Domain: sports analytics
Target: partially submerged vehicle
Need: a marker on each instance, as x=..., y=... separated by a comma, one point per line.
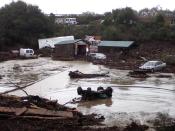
x=27, y=53
x=89, y=94
x=96, y=56
x=78, y=74
x=153, y=66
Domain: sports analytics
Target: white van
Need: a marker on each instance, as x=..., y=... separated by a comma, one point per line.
x=26, y=53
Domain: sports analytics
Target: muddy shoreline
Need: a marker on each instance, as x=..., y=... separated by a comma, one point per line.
x=77, y=122
x=149, y=50
x=23, y=121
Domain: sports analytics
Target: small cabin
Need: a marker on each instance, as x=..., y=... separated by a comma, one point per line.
x=68, y=50
x=112, y=47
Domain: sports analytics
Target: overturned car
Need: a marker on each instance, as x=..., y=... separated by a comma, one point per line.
x=89, y=94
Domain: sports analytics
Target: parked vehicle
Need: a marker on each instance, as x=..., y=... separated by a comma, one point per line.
x=26, y=53
x=97, y=56
x=153, y=66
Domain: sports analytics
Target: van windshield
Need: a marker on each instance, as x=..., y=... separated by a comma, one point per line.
x=29, y=51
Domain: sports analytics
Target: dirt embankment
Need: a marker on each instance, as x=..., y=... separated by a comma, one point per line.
x=155, y=50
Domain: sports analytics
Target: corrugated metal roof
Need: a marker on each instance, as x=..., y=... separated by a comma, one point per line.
x=67, y=42
x=121, y=44
x=50, y=42
x=81, y=42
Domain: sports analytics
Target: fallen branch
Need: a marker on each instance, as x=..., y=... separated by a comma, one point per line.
x=45, y=118
x=31, y=117
x=74, y=100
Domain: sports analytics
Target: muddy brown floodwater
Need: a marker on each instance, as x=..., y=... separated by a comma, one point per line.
x=133, y=98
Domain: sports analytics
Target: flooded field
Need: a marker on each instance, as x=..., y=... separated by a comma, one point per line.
x=133, y=99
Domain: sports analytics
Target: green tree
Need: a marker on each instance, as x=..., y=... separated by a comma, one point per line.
x=124, y=16
x=108, y=19
x=159, y=19
x=87, y=17
x=22, y=24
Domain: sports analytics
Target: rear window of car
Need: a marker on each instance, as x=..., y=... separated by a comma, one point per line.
x=29, y=51
x=150, y=63
x=158, y=63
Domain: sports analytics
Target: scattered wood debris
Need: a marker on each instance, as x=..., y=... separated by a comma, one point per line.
x=138, y=74
x=31, y=108
x=164, y=76
x=78, y=74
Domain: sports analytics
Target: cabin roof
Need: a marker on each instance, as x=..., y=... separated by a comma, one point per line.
x=120, y=44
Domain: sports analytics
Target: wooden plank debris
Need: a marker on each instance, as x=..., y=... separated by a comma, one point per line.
x=20, y=111
x=36, y=112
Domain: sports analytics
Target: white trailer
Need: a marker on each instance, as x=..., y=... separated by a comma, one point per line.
x=26, y=53
x=50, y=42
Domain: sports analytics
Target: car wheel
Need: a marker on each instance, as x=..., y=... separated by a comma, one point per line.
x=152, y=70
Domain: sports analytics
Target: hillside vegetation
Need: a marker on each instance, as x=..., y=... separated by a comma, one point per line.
x=22, y=24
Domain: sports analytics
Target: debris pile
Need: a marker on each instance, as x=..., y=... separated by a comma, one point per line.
x=164, y=76
x=138, y=74
x=34, y=112
x=78, y=74
x=5, y=56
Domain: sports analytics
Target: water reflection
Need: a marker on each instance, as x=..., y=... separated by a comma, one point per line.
x=123, y=81
x=89, y=104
